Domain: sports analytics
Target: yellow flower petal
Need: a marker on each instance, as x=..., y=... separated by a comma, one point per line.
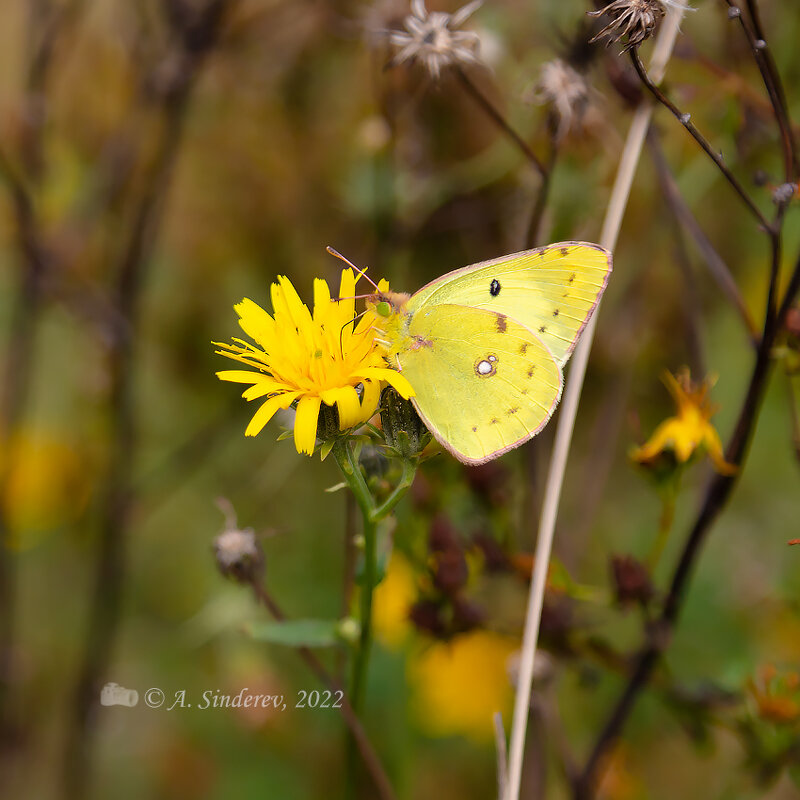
x=322, y=299
x=262, y=387
x=267, y=411
x=256, y=322
x=305, y=424
x=370, y=398
x=347, y=291
x=714, y=450
x=662, y=436
x=286, y=299
x=238, y=375
x=392, y=377
x=348, y=404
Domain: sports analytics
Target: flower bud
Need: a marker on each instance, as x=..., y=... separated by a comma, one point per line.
x=403, y=430
x=239, y=555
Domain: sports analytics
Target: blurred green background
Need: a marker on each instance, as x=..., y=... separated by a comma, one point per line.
x=291, y=135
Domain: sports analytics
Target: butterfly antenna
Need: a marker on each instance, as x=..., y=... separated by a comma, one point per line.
x=362, y=272
x=341, y=330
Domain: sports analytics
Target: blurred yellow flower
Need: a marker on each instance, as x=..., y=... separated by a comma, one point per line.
x=776, y=694
x=460, y=684
x=46, y=485
x=392, y=601
x=308, y=360
x=690, y=429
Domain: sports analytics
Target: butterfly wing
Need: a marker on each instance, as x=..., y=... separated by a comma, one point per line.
x=484, y=383
x=552, y=290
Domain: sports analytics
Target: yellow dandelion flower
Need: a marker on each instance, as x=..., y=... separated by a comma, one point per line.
x=309, y=359
x=459, y=685
x=47, y=485
x=690, y=429
x=392, y=601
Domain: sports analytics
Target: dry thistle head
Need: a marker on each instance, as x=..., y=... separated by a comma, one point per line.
x=432, y=38
x=566, y=91
x=636, y=19
x=631, y=581
x=237, y=551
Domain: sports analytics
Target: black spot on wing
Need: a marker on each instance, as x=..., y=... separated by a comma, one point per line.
x=494, y=288
x=543, y=329
x=555, y=313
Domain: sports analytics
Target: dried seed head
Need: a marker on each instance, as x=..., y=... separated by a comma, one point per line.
x=237, y=552
x=432, y=38
x=567, y=93
x=784, y=193
x=636, y=19
x=631, y=580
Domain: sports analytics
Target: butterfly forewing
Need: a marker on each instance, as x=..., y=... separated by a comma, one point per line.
x=484, y=383
x=552, y=290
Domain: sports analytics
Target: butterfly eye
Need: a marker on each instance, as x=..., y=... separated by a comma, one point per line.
x=383, y=309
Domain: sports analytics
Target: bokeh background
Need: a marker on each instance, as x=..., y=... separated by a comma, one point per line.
x=163, y=159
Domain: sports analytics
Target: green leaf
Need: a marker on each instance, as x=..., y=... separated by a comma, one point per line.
x=297, y=633
x=325, y=448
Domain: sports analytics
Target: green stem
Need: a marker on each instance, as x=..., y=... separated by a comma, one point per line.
x=351, y=471
x=664, y=528
x=365, y=602
x=398, y=493
x=371, y=515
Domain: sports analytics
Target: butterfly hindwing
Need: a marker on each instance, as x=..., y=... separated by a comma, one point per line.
x=484, y=383
x=552, y=290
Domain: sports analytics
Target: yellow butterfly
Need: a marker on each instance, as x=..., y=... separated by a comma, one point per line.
x=483, y=346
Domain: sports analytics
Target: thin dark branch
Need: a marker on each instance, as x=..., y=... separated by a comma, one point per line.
x=18, y=361
x=499, y=120
x=193, y=42
x=365, y=749
x=794, y=416
x=685, y=120
x=714, y=501
x=772, y=82
x=716, y=266
x=17, y=366
x=537, y=215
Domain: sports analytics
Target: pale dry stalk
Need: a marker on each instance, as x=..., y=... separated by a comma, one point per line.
x=569, y=406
